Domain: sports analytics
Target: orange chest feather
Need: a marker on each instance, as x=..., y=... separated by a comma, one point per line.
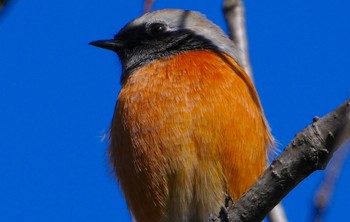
x=192, y=117
x=190, y=91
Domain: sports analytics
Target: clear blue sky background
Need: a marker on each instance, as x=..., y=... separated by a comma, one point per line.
x=57, y=96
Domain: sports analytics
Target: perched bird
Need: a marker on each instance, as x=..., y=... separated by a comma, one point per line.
x=188, y=128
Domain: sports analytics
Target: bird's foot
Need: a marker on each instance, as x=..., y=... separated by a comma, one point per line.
x=223, y=215
x=228, y=201
x=213, y=218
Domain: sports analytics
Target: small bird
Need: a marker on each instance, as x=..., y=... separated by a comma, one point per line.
x=188, y=127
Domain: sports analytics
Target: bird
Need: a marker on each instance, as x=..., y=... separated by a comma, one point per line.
x=188, y=128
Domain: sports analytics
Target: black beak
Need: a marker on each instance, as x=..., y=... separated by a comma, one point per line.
x=111, y=44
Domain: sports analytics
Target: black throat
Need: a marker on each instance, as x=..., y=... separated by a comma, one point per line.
x=143, y=49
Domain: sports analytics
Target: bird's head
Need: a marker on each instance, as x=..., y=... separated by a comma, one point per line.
x=165, y=33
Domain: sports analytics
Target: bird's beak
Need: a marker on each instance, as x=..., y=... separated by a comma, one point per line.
x=111, y=44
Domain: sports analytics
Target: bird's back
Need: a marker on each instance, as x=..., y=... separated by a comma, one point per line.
x=187, y=130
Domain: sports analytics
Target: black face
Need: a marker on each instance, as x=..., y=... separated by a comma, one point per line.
x=145, y=43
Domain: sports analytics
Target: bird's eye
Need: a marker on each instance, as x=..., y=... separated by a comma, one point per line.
x=155, y=29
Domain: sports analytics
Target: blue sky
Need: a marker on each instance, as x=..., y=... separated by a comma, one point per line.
x=58, y=93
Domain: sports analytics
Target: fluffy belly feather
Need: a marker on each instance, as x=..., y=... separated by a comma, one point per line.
x=187, y=130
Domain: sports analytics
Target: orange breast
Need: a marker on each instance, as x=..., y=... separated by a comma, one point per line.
x=186, y=131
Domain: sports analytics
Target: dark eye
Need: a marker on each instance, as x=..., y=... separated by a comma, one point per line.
x=155, y=29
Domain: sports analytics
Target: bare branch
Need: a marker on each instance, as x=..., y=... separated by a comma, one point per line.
x=2, y=4
x=310, y=150
x=324, y=193
x=277, y=214
x=234, y=13
x=147, y=7
x=235, y=20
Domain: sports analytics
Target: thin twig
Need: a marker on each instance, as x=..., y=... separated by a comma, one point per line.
x=234, y=13
x=2, y=4
x=277, y=214
x=235, y=19
x=310, y=150
x=324, y=194
x=147, y=7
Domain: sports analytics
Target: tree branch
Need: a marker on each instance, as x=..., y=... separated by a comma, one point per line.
x=147, y=5
x=277, y=214
x=324, y=194
x=234, y=13
x=2, y=4
x=235, y=19
x=310, y=150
